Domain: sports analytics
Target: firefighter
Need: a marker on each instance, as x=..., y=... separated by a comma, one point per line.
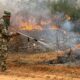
x=3, y=50
x=4, y=39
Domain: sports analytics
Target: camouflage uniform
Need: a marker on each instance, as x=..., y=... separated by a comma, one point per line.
x=4, y=40
x=3, y=50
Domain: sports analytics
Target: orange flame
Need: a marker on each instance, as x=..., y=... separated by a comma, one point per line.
x=29, y=26
x=55, y=27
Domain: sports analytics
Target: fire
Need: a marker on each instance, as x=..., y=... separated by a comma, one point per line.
x=55, y=27
x=32, y=25
x=26, y=26
x=29, y=26
x=77, y=46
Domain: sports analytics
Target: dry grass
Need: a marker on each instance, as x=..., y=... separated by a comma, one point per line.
x=39, y=71
x=34, y=58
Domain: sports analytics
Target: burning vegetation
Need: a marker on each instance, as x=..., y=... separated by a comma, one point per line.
x=39, y=38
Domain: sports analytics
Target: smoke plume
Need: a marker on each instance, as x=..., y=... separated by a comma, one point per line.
x=25, y=10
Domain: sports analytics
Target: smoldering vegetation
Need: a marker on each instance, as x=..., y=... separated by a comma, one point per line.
x=36, y=11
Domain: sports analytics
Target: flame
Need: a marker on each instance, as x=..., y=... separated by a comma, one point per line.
x=29, y=26
x=32, y=25
x=77, y=46
x=55, y=27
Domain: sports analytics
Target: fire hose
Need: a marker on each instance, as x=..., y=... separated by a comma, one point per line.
x=43, y=43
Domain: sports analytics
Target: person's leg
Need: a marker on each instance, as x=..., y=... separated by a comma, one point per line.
x=3, y=66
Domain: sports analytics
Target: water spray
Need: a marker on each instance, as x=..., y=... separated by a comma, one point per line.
x=43, y=43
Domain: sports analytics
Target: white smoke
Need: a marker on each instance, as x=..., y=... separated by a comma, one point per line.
x=67, y=25
x=21, y=10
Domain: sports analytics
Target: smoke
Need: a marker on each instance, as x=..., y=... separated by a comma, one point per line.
x=67, y=25
x=25, y=10
x=22, y=9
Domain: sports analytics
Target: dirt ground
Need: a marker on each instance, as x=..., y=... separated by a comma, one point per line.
x=28, y=69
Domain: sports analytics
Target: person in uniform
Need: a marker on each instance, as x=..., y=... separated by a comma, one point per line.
x=4, y=40
x=3, y=50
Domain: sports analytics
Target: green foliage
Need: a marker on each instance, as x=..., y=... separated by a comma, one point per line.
x=64, y=6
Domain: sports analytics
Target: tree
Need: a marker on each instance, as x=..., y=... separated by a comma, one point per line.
x=66, y=8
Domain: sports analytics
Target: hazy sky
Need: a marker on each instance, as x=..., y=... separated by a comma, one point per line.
x=4, y=1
